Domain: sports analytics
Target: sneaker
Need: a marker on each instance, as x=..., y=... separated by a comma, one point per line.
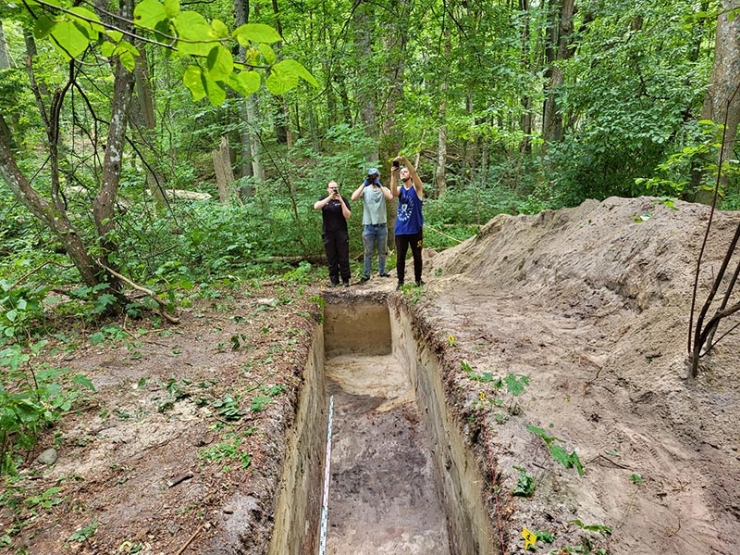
x=345, y=284
x=384, y=274
x=419, y=283
x=363, y=279
x=399, y=286
x=334, y=284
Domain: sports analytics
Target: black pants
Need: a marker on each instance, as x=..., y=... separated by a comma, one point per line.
x=336, y=245
x=416, y=241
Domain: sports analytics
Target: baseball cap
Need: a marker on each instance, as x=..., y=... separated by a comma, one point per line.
x=373, y=171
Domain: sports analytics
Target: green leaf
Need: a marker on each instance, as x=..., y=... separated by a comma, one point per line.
x=256, y=32
x=192, y=80
x=193, y=27
x=70, y=41
x=296, y=68
x=220, y=63
x=268, y=53
x=115, y=36
x=516, y=383
x=83, y=380
x=90, y=22
x=43, y=27
x=149, y=14
x=245, y=83
x=279, y=82
x=220, y=30
x=561, y=455
x=107, y=49
x=216, y=93
x=172, y=8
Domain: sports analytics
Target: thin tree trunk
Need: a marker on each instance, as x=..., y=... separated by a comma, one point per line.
x=104, y=203
x=364, y=34
x=526, y=120
x=45, y=211
x=440, y=175
x=559, y=49
x=4, y=53
x=720, y=105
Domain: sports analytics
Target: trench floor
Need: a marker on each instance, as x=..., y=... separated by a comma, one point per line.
x=383, y=497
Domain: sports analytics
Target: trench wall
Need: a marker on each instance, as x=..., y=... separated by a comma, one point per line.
x=469, y=525
x=296, y=528
x=369, y=326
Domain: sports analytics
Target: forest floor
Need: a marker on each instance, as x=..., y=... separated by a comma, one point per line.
x=180, y=450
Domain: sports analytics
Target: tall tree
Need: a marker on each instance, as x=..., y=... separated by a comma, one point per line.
x=4, y=53
x=722, y=102
x=558, y=50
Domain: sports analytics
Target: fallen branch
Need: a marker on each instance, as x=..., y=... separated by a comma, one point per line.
x=190, y=540
x=150, y=293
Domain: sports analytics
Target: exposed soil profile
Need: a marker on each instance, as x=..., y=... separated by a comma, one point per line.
x=591, y=304
x=383, y=496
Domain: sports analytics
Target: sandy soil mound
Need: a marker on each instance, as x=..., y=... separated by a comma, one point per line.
x=592, y=304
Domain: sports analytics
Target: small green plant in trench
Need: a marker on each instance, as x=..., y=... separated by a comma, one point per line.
x=587, y=546
x=229, y=450
x=525, y=484
x=568, y=460
x=494, y=388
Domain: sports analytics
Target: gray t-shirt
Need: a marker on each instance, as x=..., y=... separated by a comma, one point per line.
x=373, y=206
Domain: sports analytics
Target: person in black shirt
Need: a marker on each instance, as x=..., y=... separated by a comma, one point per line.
x=335, y=212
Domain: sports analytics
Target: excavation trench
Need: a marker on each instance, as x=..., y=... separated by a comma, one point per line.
x=401, y=479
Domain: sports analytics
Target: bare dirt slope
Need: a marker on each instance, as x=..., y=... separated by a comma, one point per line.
x=592, y=304
x=181, y=450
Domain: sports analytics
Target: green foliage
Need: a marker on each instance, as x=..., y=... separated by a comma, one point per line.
x=230, y=450
x=228, y=407
x=85, y=533
x=32, y=398
x=673, y=175
x=20, y=306
x=74, y=30
x=568, y=460
x=525, y=484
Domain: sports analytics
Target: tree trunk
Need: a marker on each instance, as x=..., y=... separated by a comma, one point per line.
x=104, y=203
x=525, y=146
x=367, y=74
x=45, y=211
x=4, y=53
x=440, y=175
x=558, y=49
x=222, y=167
x=722, y=102
x=250, y=151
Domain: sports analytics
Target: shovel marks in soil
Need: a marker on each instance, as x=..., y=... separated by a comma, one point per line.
x=383, y=495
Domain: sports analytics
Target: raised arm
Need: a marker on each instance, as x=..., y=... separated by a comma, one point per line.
x=358, y=192
x=414, y=177
x=395, y=172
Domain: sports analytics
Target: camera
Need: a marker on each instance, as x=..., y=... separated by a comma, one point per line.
x=396, y=164
x=334, y=191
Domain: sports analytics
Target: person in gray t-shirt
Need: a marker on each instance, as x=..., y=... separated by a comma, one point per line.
x=374, y=220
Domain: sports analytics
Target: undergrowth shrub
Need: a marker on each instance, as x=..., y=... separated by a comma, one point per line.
x=32, y=397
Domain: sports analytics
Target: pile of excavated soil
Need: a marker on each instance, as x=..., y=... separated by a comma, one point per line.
x=592, y=304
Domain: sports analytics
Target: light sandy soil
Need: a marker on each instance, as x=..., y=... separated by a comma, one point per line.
x=592, y=306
